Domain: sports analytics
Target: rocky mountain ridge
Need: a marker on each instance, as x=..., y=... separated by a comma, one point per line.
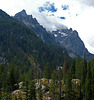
x=72, y=42
x=33, y=24
x=66, y=38
x=19, y=44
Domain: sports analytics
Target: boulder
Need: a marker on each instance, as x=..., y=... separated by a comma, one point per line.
x=75, y=81
x=20, y=85
x=16, y=92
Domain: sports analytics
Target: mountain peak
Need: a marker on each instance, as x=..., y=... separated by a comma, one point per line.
x=22, y=13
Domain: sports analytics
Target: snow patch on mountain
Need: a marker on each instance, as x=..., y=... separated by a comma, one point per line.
x=55, y=35
x=62, y=33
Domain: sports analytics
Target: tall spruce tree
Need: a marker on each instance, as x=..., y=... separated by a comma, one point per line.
x=60, y=84
x=92, y=80
x=78, y=67
x=52, y=90
x=72, y=69
x=47, y=71
x=69, y=94
x=84, y=72
x=53, y=85
x=92, y=83
x=32, y=92
x=2, y=74
x=88, y=90
x=65, y=67
x=83, y=75
x=11, y=77
x=40, y=92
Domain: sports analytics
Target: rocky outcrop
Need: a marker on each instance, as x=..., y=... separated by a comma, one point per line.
x=72, y=42
x=20, y=85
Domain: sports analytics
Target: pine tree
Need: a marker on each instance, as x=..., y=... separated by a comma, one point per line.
x=40, y=93
x=26, y=88
x=59, y=78
x=69, y=92
x=52, y=90
x=60, y=84
x=84, y=72
x=31, y=73
x=92, y=83
x=78, y=67
x=0, y=95
x=72, y=69
x=32, y=93
x=65, y=67
x=83, y=75
x=88, y=90
x=47, y=71
x=16, y=72
x=2, y=74
x=52, y=85
x=11, y=78
x=92, y=80
x=53, y=76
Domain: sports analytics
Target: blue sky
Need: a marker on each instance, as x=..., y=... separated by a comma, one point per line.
x=65, y=7
x=49, y=7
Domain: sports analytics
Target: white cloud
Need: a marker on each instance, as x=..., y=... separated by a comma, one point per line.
x=84, y=24
x=87, y=2
x=79, y=16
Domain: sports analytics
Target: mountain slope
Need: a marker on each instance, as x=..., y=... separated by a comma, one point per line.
x=20, y=45
x=32, y=23
x=66, y=38
x=72, y=42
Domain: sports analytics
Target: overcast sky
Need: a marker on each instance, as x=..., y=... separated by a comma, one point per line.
x=55, y=14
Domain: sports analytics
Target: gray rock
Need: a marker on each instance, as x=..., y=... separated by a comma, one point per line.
x=20, y=85
x=16, y=92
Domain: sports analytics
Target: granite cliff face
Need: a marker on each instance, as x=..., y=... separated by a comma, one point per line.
x=32, y=23
x=66, y=38
x=71, y=41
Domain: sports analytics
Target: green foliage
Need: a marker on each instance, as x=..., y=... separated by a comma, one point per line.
x=52, y=90
x=40, y=93
x=88, y=86
x=69, y=95
x=53, y=76
x=83, y=75
x=78, y=67
x=65, y=67
x=57, y=97
x=72, y=69
x=84, y=72
x=32, y=94
x=47, y=71
x=11, y=80
x=2, y=74
x=92, y=85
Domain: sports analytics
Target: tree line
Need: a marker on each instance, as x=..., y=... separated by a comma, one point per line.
x=66, y=82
